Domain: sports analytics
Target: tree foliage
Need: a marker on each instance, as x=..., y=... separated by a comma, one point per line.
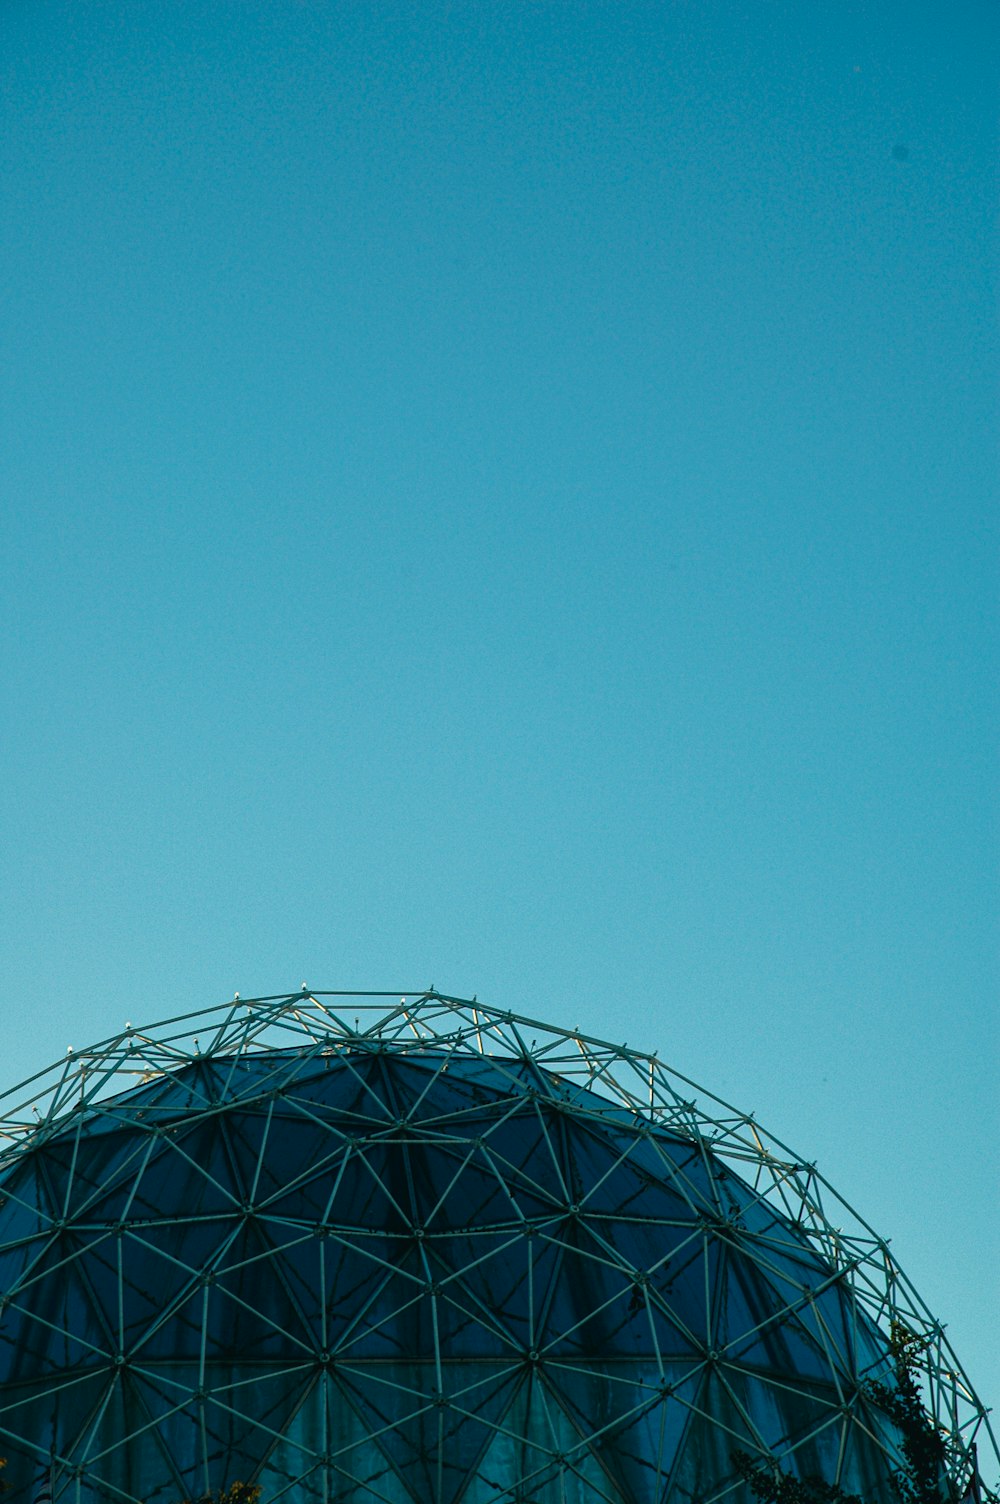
x=233, y=1493
x=922, y=1479
x=772, y=1485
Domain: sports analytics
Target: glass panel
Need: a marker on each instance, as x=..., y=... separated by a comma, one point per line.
x=500, y=1286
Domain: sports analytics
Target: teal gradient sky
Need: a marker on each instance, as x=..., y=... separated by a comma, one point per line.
x=503, y=495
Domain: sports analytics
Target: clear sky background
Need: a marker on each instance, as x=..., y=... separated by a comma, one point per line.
x=502, y=495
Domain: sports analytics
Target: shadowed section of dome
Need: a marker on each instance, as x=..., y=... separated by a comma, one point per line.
x=420, y=1260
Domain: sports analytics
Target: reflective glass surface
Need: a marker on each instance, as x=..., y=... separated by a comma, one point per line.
x=407, y=1275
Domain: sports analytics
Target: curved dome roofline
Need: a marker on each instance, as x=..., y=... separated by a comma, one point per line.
x=564, y=1065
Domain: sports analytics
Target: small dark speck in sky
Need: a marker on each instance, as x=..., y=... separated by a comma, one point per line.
x=900, y=153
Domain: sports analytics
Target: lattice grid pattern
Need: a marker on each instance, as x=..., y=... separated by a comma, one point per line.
x=369, y=1248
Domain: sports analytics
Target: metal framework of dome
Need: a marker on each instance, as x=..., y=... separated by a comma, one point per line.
x=357, y=1247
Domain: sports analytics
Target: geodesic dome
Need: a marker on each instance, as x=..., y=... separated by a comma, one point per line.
x=349, y=1248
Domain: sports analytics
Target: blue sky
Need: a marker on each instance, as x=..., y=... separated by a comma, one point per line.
x=504, y=496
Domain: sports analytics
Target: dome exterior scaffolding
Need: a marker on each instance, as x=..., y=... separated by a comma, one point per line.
x=357, y=1247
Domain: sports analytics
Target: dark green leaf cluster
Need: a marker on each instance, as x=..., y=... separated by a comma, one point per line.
x=235, y=1493
x=774, y=1486
x=921, y=1480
